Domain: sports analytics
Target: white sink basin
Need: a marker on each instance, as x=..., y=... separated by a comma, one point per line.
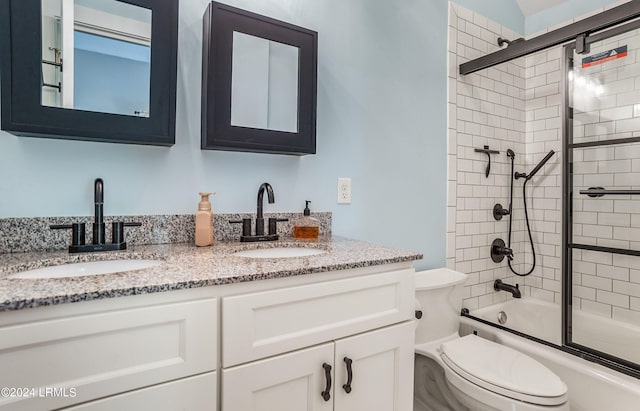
x=88, y=268
x=280, y=252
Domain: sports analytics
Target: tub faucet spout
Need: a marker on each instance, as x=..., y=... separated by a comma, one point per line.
x=498, y=285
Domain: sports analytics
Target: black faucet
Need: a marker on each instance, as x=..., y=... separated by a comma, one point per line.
x=271, y=199
x=259, y=233
x=98, y=204
x=99, y=244
x=498, y=285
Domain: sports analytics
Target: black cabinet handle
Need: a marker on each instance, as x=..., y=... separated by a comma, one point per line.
x=347, y=387
x=326, y=394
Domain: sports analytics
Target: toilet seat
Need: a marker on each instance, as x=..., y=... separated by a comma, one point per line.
x=502, y=370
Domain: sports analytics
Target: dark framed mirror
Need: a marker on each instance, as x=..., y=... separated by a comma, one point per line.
x=259, y=83
x=95, y=70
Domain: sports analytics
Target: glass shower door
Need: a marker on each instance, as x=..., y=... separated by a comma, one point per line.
x=602, y=197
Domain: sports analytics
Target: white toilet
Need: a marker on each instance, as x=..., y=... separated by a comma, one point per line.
x=479, y=374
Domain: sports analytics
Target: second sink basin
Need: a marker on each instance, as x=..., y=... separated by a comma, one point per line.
x=280, y=252
x=86, y=268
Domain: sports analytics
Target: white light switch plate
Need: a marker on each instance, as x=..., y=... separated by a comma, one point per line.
x=344, y=190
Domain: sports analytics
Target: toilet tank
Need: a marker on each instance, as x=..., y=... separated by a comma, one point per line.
x=439, y=296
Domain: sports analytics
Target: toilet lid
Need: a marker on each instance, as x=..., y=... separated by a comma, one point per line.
x=501, y=369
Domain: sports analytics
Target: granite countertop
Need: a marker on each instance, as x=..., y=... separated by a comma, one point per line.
x=184, y=266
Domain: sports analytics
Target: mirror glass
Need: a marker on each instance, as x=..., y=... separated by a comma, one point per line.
x=96, y=56
x=264, y=84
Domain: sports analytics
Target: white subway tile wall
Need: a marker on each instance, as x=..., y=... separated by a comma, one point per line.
x=543, y=115
x=518, y=105
x=485, y=109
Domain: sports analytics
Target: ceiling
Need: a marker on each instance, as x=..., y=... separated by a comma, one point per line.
x=530, y=7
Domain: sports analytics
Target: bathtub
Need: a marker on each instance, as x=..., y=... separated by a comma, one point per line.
x=543, y=320
x=592, y=387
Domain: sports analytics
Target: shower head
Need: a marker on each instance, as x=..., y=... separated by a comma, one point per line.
x=511, y=153
x=540, y=164
x=503, y=41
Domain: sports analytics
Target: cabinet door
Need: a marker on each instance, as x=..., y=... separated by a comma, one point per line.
x=189, y=394
x=106, y=353
x=381, y=370
x=289, y=382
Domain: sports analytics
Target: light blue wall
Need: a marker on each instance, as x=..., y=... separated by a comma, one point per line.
x=505, y=12
x=381, y=121
x=559, y=14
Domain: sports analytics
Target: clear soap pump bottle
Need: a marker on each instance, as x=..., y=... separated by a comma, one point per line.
x=306, y=226
x=204, y=221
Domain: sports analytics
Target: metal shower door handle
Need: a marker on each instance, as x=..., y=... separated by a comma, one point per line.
x=594, y=192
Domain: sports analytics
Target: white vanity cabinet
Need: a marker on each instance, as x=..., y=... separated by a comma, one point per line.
x=381, y=376
x=97, y=349
x=285, y=349
x=250, y=346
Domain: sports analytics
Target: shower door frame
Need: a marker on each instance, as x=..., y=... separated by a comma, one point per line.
x=588, y=353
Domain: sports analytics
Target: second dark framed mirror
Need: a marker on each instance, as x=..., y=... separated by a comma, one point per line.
x=259, y=83
x=96, y=70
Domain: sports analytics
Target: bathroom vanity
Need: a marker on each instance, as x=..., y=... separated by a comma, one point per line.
x=210, y=330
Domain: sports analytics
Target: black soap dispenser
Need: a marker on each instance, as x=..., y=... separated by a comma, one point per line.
x=306, y=227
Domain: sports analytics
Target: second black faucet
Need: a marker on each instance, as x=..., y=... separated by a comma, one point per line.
x=259, y=231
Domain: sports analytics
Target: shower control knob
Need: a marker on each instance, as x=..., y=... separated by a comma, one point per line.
x=418, y=314
x=499, y=251
x=499, y=212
